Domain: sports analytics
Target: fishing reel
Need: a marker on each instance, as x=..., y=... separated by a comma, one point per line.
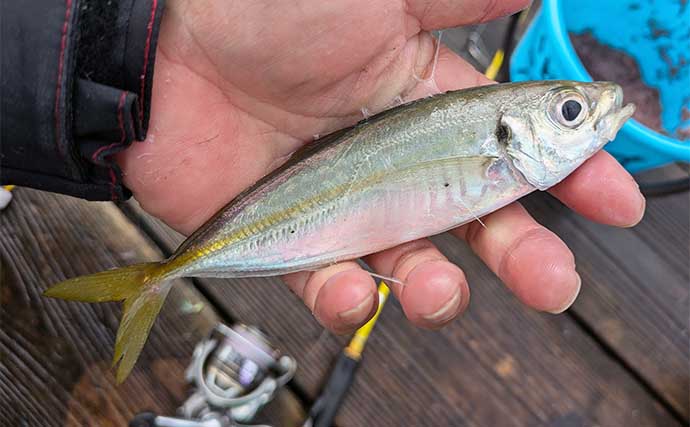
x=235, y=372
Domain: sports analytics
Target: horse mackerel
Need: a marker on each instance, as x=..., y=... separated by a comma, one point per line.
x=410, y=172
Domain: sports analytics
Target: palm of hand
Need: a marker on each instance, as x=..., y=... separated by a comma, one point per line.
x=239, y=86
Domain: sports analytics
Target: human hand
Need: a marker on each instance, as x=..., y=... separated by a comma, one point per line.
x=240, y=85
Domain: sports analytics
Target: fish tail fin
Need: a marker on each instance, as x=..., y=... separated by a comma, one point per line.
x=142, y=287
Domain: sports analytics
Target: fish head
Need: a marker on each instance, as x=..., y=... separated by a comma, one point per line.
x=553, y=127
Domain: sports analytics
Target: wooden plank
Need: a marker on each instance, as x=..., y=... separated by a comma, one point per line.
x=499, y=365
x=55, y=367
x=636, y=287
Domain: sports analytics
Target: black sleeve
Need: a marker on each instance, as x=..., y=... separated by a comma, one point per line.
x=75, y=89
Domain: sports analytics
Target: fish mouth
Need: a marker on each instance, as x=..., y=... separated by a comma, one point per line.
x=619, y=118
x=612, y=113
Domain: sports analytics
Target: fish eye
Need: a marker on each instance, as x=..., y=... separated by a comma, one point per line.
x=570, y=109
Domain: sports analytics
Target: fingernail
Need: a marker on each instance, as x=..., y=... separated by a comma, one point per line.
x=643, y=206
x=570, y=302
x=357, y=313
x=447, y=311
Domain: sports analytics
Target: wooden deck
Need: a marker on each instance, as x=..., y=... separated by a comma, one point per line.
x=619, y=357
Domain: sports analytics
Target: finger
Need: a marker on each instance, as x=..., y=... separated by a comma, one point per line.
x=435, y=291
x=342, y=296
x=435, y=14
x=603, y=191
x=532, y=261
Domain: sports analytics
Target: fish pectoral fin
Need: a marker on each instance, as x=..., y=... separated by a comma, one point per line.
x=459, y=161
x=414, y=173
x=143, y=289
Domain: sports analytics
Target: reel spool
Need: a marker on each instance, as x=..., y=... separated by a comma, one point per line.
x=235, y=372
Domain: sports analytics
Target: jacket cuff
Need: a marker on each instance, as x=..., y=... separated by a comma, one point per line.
x=79, y=81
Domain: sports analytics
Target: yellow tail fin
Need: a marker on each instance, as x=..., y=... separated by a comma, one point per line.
x=143, y=289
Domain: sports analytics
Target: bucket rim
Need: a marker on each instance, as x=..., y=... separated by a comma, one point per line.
x=553, y=12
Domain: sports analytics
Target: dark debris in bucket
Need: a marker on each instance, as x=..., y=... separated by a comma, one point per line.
x=605, y=63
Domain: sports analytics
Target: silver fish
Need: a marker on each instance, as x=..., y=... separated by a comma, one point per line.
x=413, y=171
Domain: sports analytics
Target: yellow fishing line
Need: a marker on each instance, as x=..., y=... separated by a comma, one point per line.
x=359, y=340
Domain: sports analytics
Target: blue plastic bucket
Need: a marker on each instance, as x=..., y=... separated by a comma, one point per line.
x=654, y=32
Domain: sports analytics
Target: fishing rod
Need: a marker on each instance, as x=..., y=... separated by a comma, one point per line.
x=324, y=410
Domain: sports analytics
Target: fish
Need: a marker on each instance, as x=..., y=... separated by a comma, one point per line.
x=413, y=171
